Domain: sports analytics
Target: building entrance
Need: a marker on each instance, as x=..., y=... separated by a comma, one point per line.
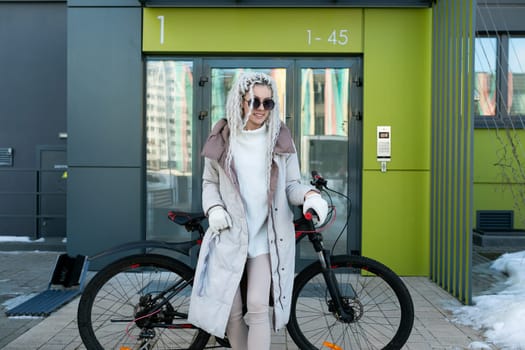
x=320, y=102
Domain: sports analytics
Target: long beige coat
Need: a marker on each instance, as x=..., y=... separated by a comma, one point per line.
x=222, y=256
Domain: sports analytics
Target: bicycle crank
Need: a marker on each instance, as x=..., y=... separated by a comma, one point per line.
x=145, y=317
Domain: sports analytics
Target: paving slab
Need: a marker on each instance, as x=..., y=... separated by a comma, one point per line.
x=29, y=272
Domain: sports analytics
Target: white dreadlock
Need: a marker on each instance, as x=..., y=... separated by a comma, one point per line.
x=242, y=86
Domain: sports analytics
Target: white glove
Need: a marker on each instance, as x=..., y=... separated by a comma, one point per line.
x=318, y=204
x=219, y=219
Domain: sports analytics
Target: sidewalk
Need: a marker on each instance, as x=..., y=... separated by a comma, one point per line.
x=21, y=273
x=432, y=327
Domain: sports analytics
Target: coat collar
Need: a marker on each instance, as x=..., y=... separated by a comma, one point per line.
x=216, y=147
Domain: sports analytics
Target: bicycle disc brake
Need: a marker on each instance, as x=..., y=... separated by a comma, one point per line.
x=351, y=306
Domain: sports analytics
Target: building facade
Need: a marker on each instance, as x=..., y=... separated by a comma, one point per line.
x=146, y=81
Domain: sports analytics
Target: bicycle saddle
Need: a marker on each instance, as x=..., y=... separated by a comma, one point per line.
x=185, y=218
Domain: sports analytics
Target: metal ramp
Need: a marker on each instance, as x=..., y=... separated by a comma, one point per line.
x=67, y=281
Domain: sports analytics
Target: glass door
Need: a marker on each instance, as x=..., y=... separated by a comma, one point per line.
x=186, y=97
x=223, y=73
x=326, y=97
x=221, y=82
x=170, y=144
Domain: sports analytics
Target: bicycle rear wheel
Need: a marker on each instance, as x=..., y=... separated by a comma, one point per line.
x=382, y=309
x=115, y=309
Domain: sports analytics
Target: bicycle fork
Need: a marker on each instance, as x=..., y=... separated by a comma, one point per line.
x=339, y=306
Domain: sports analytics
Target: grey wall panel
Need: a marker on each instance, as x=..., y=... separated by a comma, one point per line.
x=105, y=136
x=33, y=78
x=104, y=87
x=107, y=207
x=32, y=102
x=452, y=147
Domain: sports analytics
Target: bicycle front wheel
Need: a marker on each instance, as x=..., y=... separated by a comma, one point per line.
x=378, y=300
x=123, y=306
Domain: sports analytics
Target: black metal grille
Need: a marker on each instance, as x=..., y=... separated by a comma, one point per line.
x=6, y=156
x=495, y=220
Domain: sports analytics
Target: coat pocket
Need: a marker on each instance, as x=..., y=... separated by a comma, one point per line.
x=201, y=272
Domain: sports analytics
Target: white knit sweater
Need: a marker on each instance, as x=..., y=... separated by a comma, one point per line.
x=249, y=155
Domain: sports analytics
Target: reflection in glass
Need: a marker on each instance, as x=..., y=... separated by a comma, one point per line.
x=223, y=78
x=516, y=77
x=169, y=101
x=485, y=76
x=324, y=136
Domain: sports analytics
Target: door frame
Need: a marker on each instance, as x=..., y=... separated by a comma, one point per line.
x=293, y=66
x=203, y=101
x=42, y=215
x=202, y=67
x=355, y=138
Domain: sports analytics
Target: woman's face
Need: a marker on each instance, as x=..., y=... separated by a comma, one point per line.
x=261, y=106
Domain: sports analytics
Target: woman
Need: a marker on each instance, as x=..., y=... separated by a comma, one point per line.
x=251, y=177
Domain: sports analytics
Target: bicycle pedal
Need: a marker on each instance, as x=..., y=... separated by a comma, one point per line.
x=332, y=345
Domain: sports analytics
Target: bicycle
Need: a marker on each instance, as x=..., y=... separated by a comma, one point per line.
x=338, y=302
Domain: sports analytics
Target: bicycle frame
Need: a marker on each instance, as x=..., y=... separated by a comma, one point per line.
x=306, y=227
x=338, y=298
x=303, y=227
x=169, y=293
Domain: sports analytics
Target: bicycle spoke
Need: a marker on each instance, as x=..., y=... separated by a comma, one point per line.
x=374, y=320
x=126, y=305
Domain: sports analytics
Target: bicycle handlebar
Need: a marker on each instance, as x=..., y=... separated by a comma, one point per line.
x=192, y=220
x=310, y=214
x=317, y=180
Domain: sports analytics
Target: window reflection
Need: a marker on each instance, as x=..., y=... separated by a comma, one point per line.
x=516, y=77
x=169, y=101
x=324, y=121
x=223, y=78
x=324, y=140
x=485, y=78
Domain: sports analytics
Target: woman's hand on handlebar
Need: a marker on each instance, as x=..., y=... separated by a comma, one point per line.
x=314, y=202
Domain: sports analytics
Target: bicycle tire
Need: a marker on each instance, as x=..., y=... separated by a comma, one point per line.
x=109, y=311
x=383, y=308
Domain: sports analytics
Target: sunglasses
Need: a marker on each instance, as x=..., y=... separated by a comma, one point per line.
x=267, y=103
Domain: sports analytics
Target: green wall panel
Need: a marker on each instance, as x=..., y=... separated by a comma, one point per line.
x=308, y=30
x=494, y=156
x=397, y=70
x=501, y=197
x=498, y=176
x=396, y=220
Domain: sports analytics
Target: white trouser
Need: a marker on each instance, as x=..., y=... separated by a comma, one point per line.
x=253, y=331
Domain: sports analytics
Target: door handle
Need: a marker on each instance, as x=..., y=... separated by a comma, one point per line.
x=203, y=114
